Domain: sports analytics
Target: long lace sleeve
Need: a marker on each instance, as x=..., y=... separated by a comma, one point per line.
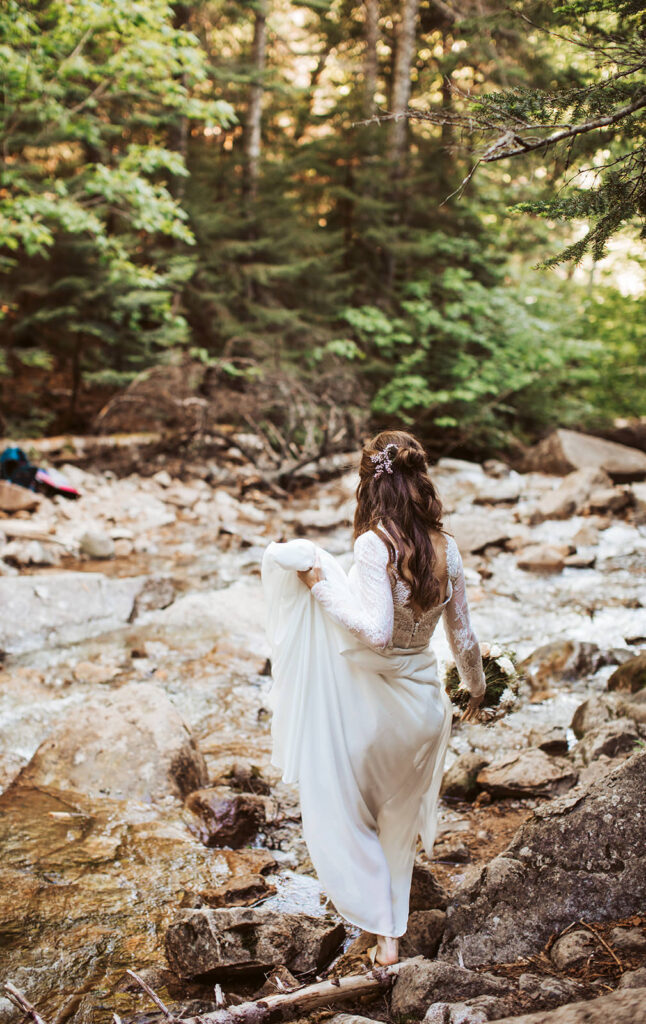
x=365, y=608
x=460, y=633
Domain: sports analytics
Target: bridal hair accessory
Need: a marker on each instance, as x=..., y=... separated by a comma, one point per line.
x=383, y=460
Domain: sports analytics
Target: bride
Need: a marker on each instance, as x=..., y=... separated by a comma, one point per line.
x=360, y=718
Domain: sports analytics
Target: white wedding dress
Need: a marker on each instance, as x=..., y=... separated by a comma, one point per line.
x=360, y=718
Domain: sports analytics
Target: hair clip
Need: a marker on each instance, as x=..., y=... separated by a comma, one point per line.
x=383, y=460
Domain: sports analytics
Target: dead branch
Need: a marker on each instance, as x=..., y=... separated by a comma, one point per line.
x=153, y=995
x=17, y=998
x=298, y=1003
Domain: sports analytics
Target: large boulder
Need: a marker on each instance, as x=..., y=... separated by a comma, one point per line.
x=63, y=609
x=131, y=744
x=527, y=773
x=216, y=943
x=582, y=855
x=568, y=450
x=423, y=933
x=624, y=1006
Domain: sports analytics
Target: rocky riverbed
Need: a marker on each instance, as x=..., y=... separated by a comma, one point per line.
x=143, y=827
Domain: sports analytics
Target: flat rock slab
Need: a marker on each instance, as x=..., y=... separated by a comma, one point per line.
x=582, y=855
x=217, y=943
x=62, y=609
x=527, y=773
x=625, y=1006
x=474, y=531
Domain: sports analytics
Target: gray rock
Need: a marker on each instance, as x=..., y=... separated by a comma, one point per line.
x=426, y=893
x=583, y=854
x=633, y=706
x=130, y=744
x=566, y=450
x=548, y=991
x=423, y=934
x=621, y=1007
x=67, y=608
x=351, y=1018
x=628, y=940
x=639, y=502
x=460, y=781
x=215, y=943
x=422, y=982
x=472, y=1011
x=572, y=949
x=474, y=531
x=594, y=712
x=527, y=773
x=96, y=544
x=613, y=739
x=634, y=979
x=226, y=818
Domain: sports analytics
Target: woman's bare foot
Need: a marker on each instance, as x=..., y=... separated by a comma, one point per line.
x=387, y=950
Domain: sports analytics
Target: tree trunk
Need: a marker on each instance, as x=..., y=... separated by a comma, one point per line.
x=370, y=61
x=253, y=136
x=404, y=51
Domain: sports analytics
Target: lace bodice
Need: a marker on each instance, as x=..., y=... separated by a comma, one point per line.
x=373, y=606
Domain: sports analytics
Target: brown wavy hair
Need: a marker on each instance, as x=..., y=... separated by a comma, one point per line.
x=402, y=507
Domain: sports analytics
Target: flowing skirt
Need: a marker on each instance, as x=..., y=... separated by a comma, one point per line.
x=364, y=734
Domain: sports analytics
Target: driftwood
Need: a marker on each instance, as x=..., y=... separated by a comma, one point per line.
x=301, y=1001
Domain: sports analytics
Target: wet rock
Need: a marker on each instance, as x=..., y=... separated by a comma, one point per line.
x=157, y=592
x=472, y=1011
x=423, y=934
x=17, y=499
x=460, y=780
x=474, y=531
x=562, y=661
x=612, y=739
x=631, y=676
x=628, y=940
x=593, y=713
x=215, y=943
x=543, y=558
x=634, y=979
x=567, y=450
x=572, y=949
x=247, y=778
x=422, y=982
x=226, y=818
x=240, y=891
x=131, y=744
x=527, y=773
x=426, y=893
x=583, y=854
x=62, y=609
x=570, y=496
x=95, y=544
x=621, y=1007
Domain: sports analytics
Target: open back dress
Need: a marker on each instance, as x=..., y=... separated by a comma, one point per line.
x=360, y=718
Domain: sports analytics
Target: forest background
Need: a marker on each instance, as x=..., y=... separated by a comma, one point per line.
x=219, y=185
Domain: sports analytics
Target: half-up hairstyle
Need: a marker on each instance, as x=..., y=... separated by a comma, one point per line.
x=396, y=498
